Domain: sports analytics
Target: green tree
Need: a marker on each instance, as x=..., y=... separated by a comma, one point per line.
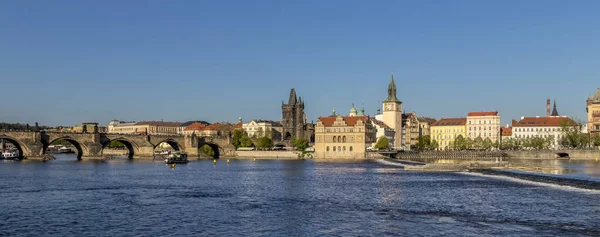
x=469, y=143
x=571, y=135
x=424, y=142
x=460, y=143
x=245, y=141
x=595, y=140
x=434, y=145
x=478, y=143
x=237, y=137
x=487, y=143
x=300, y=144
x=508, y=144
x=206, y=149
x=264, y=143
x=382, y=143
x=116, y=144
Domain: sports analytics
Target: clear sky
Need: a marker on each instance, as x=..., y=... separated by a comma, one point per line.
x=64, y=62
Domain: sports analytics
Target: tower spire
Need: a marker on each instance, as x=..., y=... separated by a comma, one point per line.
x=554, y=110
x=392, y=91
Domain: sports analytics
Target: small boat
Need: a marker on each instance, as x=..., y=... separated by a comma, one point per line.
x=176, y=158
x=11, y=154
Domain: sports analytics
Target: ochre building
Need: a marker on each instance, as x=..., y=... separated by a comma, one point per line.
x=343, y=137
x=445, y=131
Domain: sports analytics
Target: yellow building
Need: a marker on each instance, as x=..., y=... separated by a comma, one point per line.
x=445, y=130
x=593, y=113
x=88, y=127
x=343, y=137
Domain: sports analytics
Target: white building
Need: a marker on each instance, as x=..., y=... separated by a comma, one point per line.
x=484, y=125
x=260, y=128
x=116, y=126
x=383, y=130
x=545, y=127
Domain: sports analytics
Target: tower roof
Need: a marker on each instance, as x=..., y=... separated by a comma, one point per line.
x=392, y=91
x=554, y=111
x=292, y=100
x=353, y=110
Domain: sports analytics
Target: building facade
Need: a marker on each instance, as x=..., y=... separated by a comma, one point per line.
x=505, y=132
x=343, y=137
x=145, y=127
x=545, y=127
x=484, y=125
x=445, y=131
x=261, y=128
x=410, y=130
x=382, y=130
x=201, y=129
x=392, y=113
x=123, y=127
x=593, y=113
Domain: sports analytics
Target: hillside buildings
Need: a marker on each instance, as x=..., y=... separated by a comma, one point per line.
x=484, y=125
x=446, y=130
x=593, y=113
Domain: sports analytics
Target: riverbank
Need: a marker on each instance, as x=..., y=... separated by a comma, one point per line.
x=551, y=154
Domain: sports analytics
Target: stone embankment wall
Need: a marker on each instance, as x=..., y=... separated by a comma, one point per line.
x=551, y=154
x=267, y=154
x=114, y=152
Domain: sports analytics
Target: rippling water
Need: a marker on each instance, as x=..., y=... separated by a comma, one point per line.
x=280, y=198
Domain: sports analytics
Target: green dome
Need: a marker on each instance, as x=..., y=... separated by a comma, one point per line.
x=353, y=110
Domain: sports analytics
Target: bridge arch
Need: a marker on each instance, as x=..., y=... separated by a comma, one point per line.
x=173, y=143
x=214, y=152
x=22, y=147
x=81, y=149
x=132, y=147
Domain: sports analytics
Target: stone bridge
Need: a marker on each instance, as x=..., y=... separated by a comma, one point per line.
x=33, y=144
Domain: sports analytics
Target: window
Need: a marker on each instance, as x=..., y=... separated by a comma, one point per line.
x=339, y=139
x=319, y=139
x=334, y=139
x=344, y=139
x=333, y=148
x=339, y=148
x=350, y=148
x=344, y=148
x=328, y=148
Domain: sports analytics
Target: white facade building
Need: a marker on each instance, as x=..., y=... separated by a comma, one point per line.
x=383, y=130
x=545, y=127
x=116, y=126
x=484, y=125
x=261, y=128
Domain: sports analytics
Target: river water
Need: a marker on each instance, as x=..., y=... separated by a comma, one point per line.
x=66, y=197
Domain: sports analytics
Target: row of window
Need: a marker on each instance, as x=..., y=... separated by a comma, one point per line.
x=539, y=135
x=537, y=129
x=484, y=122
x=446, y=130
x=343, y=130
x=484, y=128
x=339, y=148
x=480, y=134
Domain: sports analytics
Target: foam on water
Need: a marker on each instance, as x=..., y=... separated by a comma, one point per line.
x=538, y=183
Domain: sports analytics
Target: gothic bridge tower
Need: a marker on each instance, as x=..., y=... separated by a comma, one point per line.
x=294, y=118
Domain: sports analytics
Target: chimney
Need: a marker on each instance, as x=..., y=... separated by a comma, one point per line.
x=548, y=108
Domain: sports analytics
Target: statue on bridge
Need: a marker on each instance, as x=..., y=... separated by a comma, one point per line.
x=84, y=129
x=95, y=128
x=26, y=127
x=37, y=127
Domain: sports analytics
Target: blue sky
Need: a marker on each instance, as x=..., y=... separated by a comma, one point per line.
x=64, y=62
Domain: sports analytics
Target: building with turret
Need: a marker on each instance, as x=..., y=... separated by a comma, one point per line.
x=392, y=113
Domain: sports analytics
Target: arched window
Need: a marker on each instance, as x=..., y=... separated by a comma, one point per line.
x=344, y=139
x=339, y=148
x=334, y=138
x=339, y=139
x=333, y=148
x=327, y=148
x=350, y=148
x=344, y=148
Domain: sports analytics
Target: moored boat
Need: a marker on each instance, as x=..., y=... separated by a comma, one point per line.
x=11, y=154
x=176, y=158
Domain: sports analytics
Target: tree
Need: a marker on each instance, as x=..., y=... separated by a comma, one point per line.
x=300, y=144
x=469, y=143
x=383, y=143
x=487, y=143
x=478, y=143
x=237, y=137
x=595, y=140
x=460, y=143
x=115, y=144
x=424, y=142
x=434, y=145
x=571, y=135
x=245, y=141
x=264, y=143
x=508, y=144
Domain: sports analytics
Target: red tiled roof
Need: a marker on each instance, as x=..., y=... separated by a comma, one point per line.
x=450, y=122
x=350, y=121
x=238, y=125
x=201, y=126
x=380, y=123
x=506, y=131
x=159, y=123
x=483, y=113
x=543, y=122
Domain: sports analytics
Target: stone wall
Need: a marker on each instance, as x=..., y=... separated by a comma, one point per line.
x=267, y=154
x=551, y=154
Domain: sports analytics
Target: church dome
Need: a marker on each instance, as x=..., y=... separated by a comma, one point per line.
x=353, y=110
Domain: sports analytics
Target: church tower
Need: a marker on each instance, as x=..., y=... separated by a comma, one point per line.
x=392, y=113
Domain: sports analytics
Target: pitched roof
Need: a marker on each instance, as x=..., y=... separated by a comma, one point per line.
x=426, y=119
x=506, y=131
x=159, y=123
x=201, y=126
x=483, y=113
x=450, y=122
x=380, y=123
x=188, y=123
x=350, y=121
x=544, y=122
